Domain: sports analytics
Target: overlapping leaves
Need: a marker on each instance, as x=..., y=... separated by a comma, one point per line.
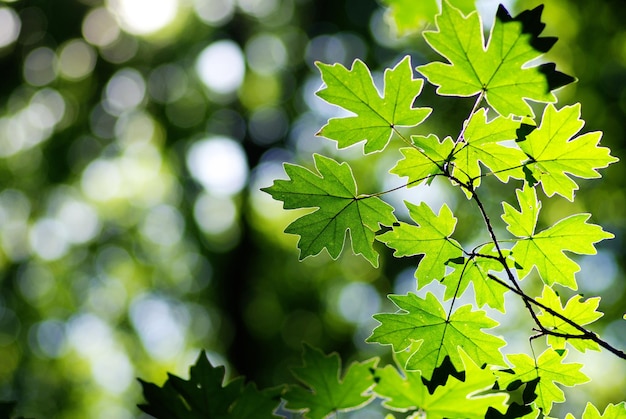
x=550, y=369
x=405, y=391
x=498, y=69
x=205, y=396
x=424, y=320
x=426, y=334
x=409, y=15
x=556, y=154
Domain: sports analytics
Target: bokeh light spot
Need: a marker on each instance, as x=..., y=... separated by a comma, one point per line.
x=266, y=53
x=221, y=67
x=36, y=283
x=159, y=325
x=10, y=25
x=124, y=91
x=48, y=239
x=215, y=215
x=214, y=12
x=258, y=8
x=268, y=125
x=219, y=164
x=167, y=83
x=40, y=66
x=144, y=17
x=51, y=338
x=358, y=302
x=80, y=221
x=163, y=225
x=101, y=180
x=76, y=60
x=100, y=27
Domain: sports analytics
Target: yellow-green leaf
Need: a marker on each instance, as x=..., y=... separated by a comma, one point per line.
x=499, y=69
x=581, y=312
x=556, y=153
x=545, y=249
x=550, y=369
x=423, y=320
x=376, y=117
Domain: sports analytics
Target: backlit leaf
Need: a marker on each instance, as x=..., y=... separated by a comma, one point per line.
x=430, y=238
x=332, y=190
x=476, y=270
x=582, y=313
x=545, y=249
x=556, y=152
x=498, y=69
x=376, y=116
x=410, y=15
x=425, y=321
x=550, y=369
x=482, y=143
x=205, y=396
x=426, y=159
x=612, y=411
x=404, y=391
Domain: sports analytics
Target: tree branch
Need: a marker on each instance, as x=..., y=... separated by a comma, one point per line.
x=585, y=334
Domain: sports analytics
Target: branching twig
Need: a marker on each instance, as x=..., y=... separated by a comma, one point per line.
x=585, y=334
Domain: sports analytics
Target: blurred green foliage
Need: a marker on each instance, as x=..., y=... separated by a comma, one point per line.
x=134, y=139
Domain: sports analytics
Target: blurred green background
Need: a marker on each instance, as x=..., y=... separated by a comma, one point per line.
x=134, y=138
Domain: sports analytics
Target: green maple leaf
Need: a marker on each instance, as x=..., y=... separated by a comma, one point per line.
x=550, y=369
x=333, y=192
x=425, y=321
x=410, y=15
x=612, y=411
x=545, y=249
x=376, y=116
x=580, y=312
x=431, y=238
x=482, y=142
x=325, y=392
x=476, y=271
x=424, y=160
x=556, y=154
x=405, y=391
x=498, y=70
x=205, y=396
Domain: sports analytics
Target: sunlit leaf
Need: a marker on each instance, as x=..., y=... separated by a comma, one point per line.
x=545, y=249
x=498, y=69
x=476, y=270
x=556, y=153
x=611, y=411
x=550, y=369
x=332, y=190
x=426, y=159
x=376, y=116
x=404, y=391
x=430, y=238
x=482, y=143
x=581, y=312
x=425, y=321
